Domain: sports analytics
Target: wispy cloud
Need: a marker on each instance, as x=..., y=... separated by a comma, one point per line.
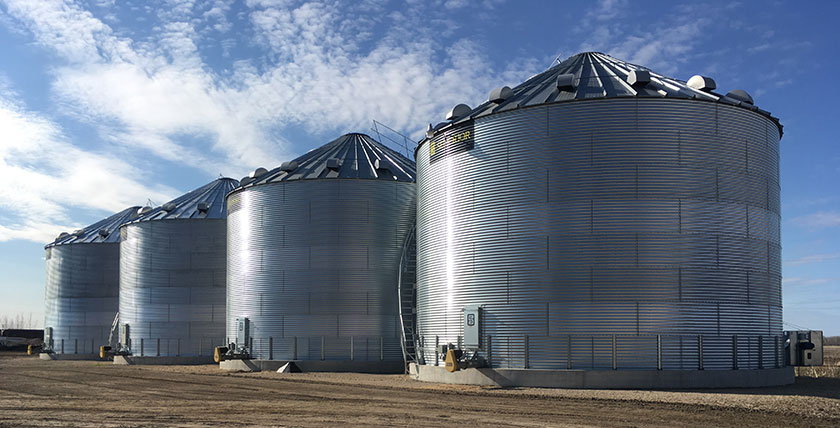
x=322, y=68
x=813, y=258
x=805, y=281
x=43, y=175
x=818, y=220
x=661, y=45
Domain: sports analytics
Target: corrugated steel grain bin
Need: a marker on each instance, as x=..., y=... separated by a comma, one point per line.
x=172, y=275
x=82, y=286
x=604, y=217
x=313, y=253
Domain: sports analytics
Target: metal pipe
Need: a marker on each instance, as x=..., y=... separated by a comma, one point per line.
x=659, y=352
x=700, y=352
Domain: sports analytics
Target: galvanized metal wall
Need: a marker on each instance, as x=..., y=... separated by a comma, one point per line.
x=172, y=286
x=631, y=217
x=81, y=295
x=314, y=262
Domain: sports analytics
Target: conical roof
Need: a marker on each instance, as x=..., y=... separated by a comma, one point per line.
x=208, y=201
x=103, y=231
x=351, y=156
x=591, y=75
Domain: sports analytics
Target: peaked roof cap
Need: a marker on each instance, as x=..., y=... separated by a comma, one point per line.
x=208, y=201
x=103, y=231
x=351, y=156
x=591, y=75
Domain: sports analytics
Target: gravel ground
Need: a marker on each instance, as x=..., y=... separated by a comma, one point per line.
x=95, y=394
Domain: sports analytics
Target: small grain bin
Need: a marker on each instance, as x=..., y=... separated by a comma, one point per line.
x=82, y=288
x=313, y=257
x=602, y=217
x=172, y=277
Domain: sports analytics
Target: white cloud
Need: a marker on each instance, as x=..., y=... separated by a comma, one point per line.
x=43, y=175
x=805, y=281
x=813, y=258
x=819, y=220
x=316, y=66
x=661, y=45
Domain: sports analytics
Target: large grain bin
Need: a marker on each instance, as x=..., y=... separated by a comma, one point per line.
x=172, y=276
x=603, y=217
x=82, y=287
x=313, y=255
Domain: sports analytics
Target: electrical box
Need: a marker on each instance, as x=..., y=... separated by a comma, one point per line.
x=472, y=327
x=125, y=340
x=242, y=326
x=804, y=347
x=48, y=340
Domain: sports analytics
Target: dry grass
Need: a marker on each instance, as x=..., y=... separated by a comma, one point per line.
x=830, y=367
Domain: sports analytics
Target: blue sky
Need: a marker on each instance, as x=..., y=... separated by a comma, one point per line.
x=106, y=104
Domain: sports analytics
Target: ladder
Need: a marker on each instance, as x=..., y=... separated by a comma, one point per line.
x=113, y=329
x=407, y=296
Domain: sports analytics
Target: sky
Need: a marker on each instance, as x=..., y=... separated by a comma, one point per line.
x=106, y=104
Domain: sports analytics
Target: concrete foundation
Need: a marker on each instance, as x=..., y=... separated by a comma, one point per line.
x=607, y=379
x=68, y=357
x=162, y=361
x=383, y=367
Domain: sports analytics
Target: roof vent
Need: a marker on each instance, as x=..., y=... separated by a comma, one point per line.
x=334, y=163
x=566, y=81
x=203, y=207
x=288, y=166
x=62, y=235
x=104, y=232
x=458, y=112
x=257, y=173
x=499, y=95
x=143, y=210
x=169, y=206
x=701, y=83
x=430, y=131
x=638, y=78
x=381, y=165
x=79, y=232
x=740, y=95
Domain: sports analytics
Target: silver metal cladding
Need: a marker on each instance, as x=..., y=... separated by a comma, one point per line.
x=82, y=288
x=313, y=265
x=172, y=286
x=609, y=233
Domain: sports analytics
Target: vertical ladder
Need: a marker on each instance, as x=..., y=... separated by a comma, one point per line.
x=407, y=296
x=113, y=329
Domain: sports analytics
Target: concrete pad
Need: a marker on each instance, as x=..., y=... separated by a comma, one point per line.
x=68, y=357
x=607, y=379
x=162, y=361
x=381, y=367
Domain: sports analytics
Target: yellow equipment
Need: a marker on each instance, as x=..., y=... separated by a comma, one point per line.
x=219, y=353
x=452, y=362
x=104, y=351
x=30, y=350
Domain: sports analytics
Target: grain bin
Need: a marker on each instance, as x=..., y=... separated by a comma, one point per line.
x=602, y=217
x=82, y=287
x=313, y=255
x=172, y=277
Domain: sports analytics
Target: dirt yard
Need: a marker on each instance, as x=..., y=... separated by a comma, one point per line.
x=98, y=394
